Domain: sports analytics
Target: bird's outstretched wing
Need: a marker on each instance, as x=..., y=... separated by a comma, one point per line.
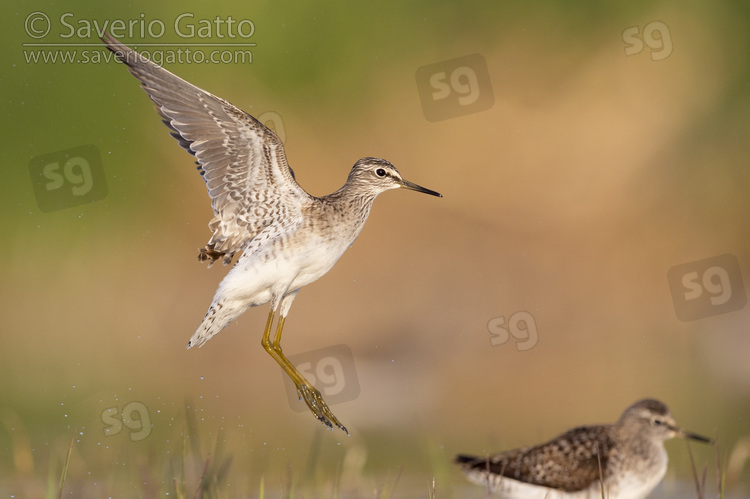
x=569, y=462
x=241, y=160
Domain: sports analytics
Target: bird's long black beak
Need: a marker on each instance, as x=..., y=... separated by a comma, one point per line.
x=692, y=436
x=414, y=187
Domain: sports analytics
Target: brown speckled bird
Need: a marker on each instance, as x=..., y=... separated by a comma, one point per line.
x=631, y=452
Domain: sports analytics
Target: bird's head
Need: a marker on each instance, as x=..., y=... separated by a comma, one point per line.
x=654, y=418
x=374, y=175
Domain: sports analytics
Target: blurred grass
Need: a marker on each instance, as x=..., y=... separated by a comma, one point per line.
x=591, y=176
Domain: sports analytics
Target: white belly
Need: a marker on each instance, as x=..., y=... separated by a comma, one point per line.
x=276, y=269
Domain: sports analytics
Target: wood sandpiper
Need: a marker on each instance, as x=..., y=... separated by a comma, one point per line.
x=287, y=237
x=627, y=459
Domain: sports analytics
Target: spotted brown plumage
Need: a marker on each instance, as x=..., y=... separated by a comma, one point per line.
x=628, y=458
x=241, y=160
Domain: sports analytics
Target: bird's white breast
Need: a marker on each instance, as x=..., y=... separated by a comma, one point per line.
x=282, y=265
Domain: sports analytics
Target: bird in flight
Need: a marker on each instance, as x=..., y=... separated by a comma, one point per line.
x=287, y=238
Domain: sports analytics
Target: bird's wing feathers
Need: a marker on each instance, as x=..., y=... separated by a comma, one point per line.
x=569, y=462
x=242, y=161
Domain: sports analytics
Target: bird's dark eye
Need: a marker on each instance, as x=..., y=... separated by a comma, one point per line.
x=658, y=422
x=380, y=172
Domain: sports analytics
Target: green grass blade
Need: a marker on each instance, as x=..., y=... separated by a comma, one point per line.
x=65, y=466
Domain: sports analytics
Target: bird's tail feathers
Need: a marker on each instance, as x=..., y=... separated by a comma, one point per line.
x=218, y=317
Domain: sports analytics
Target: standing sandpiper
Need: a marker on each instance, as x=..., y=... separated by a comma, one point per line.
x=287, y=237
x=631, y=452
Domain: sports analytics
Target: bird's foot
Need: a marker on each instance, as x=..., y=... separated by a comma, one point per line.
x=318, y=406
x=211, y=255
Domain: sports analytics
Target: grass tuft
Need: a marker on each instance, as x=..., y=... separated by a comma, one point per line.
x=601, y=472
x=698, y=488
x=64, y=472
x=431, y=489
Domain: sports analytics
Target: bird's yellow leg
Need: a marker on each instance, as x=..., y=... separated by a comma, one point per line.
x=305, y=389
x=277, y=336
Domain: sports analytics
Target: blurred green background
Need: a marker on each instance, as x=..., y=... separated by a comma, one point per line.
x=592, y=173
